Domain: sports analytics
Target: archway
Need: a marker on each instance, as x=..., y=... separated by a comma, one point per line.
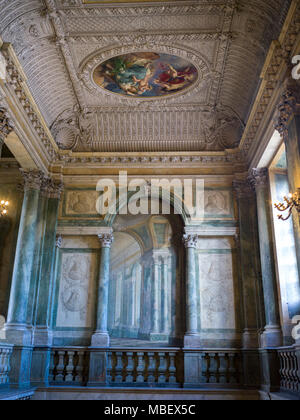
x=147, y=291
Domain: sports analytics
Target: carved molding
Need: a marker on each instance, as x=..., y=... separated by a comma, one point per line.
x=106, y=240
x=15, y=80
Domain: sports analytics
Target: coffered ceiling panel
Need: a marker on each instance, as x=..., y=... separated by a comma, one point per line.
x=143, y=77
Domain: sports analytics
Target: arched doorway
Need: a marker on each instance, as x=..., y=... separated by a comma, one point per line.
x=147, y=291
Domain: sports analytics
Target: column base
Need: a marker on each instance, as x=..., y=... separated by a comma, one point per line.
x=192, y=341
x=100, y=340
x=271, y=337
x=250, y=339
x=42, y=337
x=18, y=334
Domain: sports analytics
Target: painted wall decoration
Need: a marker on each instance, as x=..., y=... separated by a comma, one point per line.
x=146, y=285
x=80, y=203
x=145, y=74
x=76, y=289
x=218, y=204
x=216, y=284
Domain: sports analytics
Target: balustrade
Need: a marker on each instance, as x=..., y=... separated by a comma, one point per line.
x=289, y=370
x=222, y=367
x=69, y=366
x=146, y=367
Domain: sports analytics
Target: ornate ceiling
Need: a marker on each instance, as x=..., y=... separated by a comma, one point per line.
x=61, y=44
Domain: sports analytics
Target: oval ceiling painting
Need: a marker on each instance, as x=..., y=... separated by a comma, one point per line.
x=145, y=74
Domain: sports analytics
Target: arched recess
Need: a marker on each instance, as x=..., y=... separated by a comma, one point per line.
x=147, y=290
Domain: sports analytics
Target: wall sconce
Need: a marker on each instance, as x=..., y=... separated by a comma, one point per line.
x=3, y=207
x=292, y=201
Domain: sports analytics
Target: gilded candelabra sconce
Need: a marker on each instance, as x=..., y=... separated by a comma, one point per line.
x=3, y=208
x=290, y=202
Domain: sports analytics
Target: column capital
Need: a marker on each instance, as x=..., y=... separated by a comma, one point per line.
x=52, y=189
x=33, y=179
x=106, y=239
x=242, y=189
x=259, y=177
x=289, y=105
x=190, y=240
x=6, y=126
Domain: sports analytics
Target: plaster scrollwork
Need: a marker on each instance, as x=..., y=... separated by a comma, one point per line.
x=74, y=128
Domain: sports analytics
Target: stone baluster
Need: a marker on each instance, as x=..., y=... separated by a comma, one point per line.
x=69, y=366
x=60, y=366
x=162, y=368
x=129, y=367
x=101, y=337
x=192, y=338
x=119, y=368
x=140, y=369
x=151, y=368
x=272, y=336
x=110, y=376
x=172, y=368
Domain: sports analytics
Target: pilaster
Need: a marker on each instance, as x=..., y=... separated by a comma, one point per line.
x=272, y=336
x=248, y=262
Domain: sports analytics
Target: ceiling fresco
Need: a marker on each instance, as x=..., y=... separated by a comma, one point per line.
x=176, y=76
x=145, y=74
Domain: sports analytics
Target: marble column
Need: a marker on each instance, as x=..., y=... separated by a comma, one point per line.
x=18, y=330
x=101, y=336
x=166, y=294
x=42, y=334
x=288, y=125
x=192, y=337
x=249, y=264
x=272, y=335
x=156, y=295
